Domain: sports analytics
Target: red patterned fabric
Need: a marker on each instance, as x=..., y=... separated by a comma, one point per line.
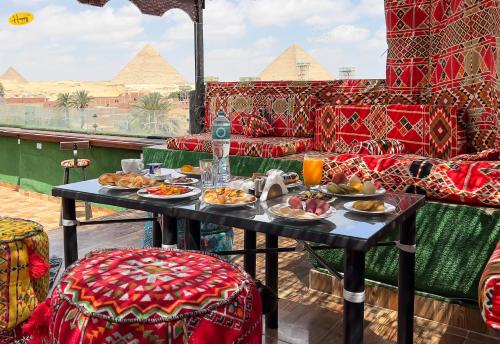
x=377, y=147
x=154, y=296
x=237, y=119
x=256, y=126
x=489, y=290
x=70, y=163
x=423, y=130
x=486, y=155
x=264, y=147
x=475, y=182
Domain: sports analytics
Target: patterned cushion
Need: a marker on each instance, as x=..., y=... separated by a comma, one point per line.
x=256, y=126
x=489, y=290
x=377, y=147
x=486, y=155
x=236, y=119
x=423, y=130
x=154, y=296
x=22, y=243
x=70, y=163
x=475, y=182
x=264, y=147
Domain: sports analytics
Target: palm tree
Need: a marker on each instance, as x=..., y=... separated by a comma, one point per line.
x=151, y=105
x=2, y=92
x=80, y=100
x=64, y=102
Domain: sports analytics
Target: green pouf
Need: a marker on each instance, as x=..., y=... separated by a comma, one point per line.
x=454, y=243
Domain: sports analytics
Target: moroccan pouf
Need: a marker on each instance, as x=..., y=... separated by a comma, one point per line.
x=489, y=290
x=151, y=295
x=24, y=277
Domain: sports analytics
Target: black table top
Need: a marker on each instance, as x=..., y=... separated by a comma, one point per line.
x=342, y=229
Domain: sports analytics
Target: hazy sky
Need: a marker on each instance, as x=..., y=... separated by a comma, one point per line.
x=71, y=41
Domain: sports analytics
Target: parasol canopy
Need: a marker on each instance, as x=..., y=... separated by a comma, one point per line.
x=158, y=7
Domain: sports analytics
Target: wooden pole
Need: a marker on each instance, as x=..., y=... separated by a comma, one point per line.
x=197, y=112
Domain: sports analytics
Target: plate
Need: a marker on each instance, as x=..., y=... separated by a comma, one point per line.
x=273, y=212
x=191, y=182
x=388, y=209
x=118, y=188
x=194, y=192
x=378, y=192
x=197, y=172
x=331, y=200
x=230, y=205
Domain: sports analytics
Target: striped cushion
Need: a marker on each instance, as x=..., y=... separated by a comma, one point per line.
x=489, y=290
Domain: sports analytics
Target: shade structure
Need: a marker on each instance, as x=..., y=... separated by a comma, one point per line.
x=194, y=8
x=157, y=7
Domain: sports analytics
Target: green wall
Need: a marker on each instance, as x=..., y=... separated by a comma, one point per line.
x=39, y=169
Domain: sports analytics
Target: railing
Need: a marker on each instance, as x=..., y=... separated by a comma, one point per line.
x=133, y=122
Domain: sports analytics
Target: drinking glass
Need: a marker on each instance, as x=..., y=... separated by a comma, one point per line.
x=207, y=168
x=312, y=170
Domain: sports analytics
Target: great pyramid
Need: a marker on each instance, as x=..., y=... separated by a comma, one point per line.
x=12, y=75
x=295, y=64
x=148, y=67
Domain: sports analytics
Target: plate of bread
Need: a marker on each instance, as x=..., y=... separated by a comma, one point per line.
x=125, y=181
x=227, y=197
x=370, y=207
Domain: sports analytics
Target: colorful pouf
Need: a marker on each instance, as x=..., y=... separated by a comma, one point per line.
x=150, y=296
x=24, y=267
x=489, y=290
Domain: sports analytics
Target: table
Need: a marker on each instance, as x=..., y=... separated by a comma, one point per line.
x=354, y=233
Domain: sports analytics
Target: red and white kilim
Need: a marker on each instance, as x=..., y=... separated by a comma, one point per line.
x=489, y=290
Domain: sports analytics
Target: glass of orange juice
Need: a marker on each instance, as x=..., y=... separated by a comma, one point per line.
x=312, y=169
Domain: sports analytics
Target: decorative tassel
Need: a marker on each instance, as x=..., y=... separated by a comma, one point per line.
x=38, y=324
x=38, y=267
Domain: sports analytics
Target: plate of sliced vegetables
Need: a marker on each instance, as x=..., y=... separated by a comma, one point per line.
x=169, y=192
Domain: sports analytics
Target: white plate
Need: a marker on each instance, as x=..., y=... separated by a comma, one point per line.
x=273, y=212
x=191, y=182
x=197, y=174
x=388, y=209
x=194, y=192
x=229, y=205
x=118, y=188
x=378, y=192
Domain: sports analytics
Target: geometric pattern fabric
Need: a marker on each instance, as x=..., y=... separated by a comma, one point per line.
x=474, y=182
x=154, y=296
x=489, y=291
x=19, y=292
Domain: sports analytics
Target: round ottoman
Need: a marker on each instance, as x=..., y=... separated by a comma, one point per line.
x=152, y=296
x=24, y=278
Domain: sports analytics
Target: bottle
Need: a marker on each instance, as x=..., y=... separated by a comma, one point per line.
x=221, y=141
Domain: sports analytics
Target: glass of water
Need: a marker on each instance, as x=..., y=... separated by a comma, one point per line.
x=207, y=168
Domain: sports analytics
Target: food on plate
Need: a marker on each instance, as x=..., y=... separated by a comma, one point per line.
x=127, y=180
x=289, y=212
x=226, y=195
x=314, y=195
x=342, y=189
x=372, y=205
x=369, y=188
x=181, y=180
x=290, y=178
x=168, y=190
x=186, y=168
x=354, y=186
x=313, y=206
x=339, y=178
x=356, y=183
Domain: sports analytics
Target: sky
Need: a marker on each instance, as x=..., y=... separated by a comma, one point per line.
x=71, y=41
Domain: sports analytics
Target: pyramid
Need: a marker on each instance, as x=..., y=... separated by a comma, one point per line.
x=148, y=67
x=12, y=75
x=287, y=66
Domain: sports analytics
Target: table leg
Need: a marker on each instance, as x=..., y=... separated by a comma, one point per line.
x=169, y=232
x=272, y=277
x=69, y=231
x=156, y=231
x=192, y=235
x=406, y=281
x=354, y=296
x=249, y=243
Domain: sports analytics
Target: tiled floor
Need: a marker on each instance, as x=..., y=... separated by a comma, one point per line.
x=305, y=316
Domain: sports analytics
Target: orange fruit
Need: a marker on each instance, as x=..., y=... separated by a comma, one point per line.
x=186, y=168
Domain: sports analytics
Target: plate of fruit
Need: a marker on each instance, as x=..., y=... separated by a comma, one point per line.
x=370, y=207
x=169, y=192
x=352, y=187
x=316, y=194
x=295, y=209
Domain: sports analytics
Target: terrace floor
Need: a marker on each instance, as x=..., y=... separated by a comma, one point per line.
x=305, y=316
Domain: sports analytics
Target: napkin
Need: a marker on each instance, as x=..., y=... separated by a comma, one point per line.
x=273, y=178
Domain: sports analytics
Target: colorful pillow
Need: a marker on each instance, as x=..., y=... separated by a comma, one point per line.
x=377, y=147
x=236, y=122
x=486, y=155
x=489, y=291
x=256, y=126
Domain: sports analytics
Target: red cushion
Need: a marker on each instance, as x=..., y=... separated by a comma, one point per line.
x=474, y=182
x=256, y=126
x=377, y=147
x=486, y=155
x=154, y=295
x=236, y=119
x=264, y=147
x=489, y=290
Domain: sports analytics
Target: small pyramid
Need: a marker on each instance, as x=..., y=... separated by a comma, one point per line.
x=12, y=75
x=148, y=67
x=295, y=64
